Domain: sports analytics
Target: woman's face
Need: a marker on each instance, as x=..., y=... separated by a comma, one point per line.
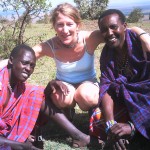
x=66, y=29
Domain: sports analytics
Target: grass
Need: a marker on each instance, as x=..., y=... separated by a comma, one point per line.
x=55, y=138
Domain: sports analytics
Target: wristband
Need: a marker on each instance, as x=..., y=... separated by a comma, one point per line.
x=132, y=129
x=109, y=124
x=142, y=34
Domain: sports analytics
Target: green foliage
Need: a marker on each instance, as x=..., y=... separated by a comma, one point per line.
x=45, y=19
x=6, y=43
x=3, y=20
x=28, y=19
x=91, y=9
x=135, y=15
x=22, y=12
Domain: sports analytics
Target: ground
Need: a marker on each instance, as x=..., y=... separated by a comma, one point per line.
x=55, y=138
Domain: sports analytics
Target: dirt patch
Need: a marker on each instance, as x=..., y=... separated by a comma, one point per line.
x=90, y=25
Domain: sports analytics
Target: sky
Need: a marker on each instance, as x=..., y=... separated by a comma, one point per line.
x=126, y=6
x=112, y=3
x=128, y=3
x=56, y=2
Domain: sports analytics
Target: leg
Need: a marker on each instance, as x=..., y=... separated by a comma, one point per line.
x=87, y=95
x=56, y=115
x=69, y=113
x=97, y=121
x=64, y=101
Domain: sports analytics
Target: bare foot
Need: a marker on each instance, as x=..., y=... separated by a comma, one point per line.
x=82, y=142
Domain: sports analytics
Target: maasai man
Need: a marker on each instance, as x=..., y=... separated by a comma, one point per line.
x=124, y=81
x=20, y=103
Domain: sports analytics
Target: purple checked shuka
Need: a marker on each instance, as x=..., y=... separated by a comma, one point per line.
x=131, y=86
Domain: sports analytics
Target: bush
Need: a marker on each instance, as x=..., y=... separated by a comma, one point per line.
x=135, y=15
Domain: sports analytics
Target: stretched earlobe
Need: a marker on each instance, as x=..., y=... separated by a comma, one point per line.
x=10, y=60
x=125, y=25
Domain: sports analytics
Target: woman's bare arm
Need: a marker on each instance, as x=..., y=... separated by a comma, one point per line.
x=144, y=38
x=3, y=63
x=42, y=49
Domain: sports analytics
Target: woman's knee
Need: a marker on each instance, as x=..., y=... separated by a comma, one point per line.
x=88, y=93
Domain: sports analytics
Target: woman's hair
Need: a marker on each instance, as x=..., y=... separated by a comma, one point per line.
x=67, y=10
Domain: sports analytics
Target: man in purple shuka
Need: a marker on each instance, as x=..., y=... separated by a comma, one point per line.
x=124, y=81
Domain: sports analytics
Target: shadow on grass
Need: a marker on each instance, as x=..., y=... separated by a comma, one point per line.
x=56, y=139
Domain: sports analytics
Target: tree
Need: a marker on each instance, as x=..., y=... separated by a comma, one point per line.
x=3, y=20
x=28, y=19
x=91, y=9
x=45, y=19
x=135, y=15
x=22, y=12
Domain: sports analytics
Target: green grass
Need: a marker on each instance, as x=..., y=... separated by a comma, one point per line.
x=45, y=69
x=37, y=33
x=55, y=138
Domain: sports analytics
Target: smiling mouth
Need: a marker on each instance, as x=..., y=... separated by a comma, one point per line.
x=25, y=75
x=112, y=39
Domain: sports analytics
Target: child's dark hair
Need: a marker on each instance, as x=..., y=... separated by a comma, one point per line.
x=14, y=53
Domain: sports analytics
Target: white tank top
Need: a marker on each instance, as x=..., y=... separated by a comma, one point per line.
x=77, y=71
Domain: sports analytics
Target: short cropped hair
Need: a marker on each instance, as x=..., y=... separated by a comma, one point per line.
x=15, y=52
x=113, y=11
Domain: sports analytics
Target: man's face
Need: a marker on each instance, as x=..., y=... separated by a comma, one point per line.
x=23, y=65
x=113, y=30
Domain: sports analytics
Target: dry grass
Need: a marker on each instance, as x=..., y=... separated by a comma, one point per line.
x=55, y=138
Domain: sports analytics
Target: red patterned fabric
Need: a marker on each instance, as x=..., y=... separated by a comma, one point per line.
x=96, y=126
x=97, y=123
x=18, y=118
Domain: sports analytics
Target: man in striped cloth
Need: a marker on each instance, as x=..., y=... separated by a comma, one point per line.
x=20, y=103
x=124, y=83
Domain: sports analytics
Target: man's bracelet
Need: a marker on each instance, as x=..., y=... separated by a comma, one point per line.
x=132, y=129
x=142, y=34
x=109, y=124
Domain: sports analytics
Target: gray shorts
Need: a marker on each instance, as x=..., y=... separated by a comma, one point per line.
x=93, y=81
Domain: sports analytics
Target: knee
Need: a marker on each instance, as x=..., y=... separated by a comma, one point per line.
x=87, y=95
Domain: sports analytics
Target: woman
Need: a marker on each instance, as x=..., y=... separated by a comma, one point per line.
x=73, y=52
